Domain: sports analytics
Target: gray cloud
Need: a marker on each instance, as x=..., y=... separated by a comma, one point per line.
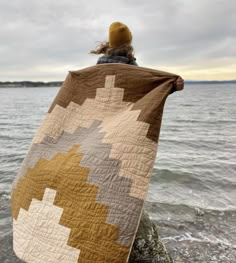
x=42, y=40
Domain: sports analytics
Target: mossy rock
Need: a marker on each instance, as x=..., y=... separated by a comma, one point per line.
x=147, y=247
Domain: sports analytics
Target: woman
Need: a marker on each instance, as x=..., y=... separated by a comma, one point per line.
x=118, y=49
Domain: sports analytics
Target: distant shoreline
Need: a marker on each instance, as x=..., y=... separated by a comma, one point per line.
x=31, y=84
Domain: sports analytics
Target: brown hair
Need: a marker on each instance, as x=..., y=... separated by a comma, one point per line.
x=104, y=48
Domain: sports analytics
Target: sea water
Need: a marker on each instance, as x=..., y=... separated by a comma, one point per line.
x=192, y=195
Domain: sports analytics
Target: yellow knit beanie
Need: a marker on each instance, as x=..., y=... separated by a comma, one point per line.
x=119, y=34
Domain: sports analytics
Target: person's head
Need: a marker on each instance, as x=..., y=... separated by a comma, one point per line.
x=119, y=41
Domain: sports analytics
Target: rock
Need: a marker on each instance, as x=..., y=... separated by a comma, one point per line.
x=147, y=247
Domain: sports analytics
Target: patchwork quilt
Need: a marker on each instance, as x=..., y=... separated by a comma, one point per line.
x=79, y=193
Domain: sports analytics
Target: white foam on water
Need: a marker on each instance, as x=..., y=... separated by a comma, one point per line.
x=204, y=239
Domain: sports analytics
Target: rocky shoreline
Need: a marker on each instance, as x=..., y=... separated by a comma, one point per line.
x=147, y=246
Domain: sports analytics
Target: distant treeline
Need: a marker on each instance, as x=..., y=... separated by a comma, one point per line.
x=210, y=81
x=25, y=84
x=30, y=84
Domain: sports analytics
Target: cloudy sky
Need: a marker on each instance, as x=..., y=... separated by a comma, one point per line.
x=43, y=39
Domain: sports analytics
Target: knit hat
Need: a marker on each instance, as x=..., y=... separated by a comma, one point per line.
x=119, y=34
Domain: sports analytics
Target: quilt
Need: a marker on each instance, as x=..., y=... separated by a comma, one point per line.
x=79, y=193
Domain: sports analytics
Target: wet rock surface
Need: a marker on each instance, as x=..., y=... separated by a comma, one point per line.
x=147, y=247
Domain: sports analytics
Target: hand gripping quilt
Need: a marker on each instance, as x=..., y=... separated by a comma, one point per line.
x=79, y=193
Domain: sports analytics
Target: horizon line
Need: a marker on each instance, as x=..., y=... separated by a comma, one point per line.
x=187, y=80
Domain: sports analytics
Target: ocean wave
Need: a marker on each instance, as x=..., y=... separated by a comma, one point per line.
x=158, y=210
x=204, y=239
x=4, y=195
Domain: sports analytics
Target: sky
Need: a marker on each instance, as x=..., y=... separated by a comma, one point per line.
x=41, y=40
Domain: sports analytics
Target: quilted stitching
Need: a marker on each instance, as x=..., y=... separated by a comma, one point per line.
x=80, y=191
